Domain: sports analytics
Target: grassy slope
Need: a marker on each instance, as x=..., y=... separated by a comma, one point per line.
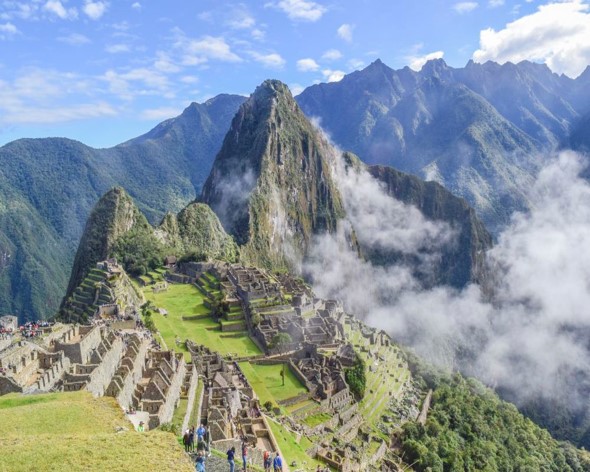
x=183, y=300
x=76, y=432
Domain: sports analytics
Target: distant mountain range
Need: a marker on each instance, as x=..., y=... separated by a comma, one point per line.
x=480, y=131
x=49, y=186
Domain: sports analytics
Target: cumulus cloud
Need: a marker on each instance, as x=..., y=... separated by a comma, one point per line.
x=465, y=7
x=199, y=51
x=7, y=30
x=136, y=6
x=303, y=10
x=345, y=32
x=530, y=338
x=117, y=48
x=94, y=10
x=416, y=62
x=272, y=60
x=495, y=3
x=333, y=75
x=332, y=55
x=307, y=65
x=556, y=34
x=56, y=7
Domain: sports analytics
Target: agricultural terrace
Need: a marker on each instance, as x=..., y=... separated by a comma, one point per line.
x=267, y=382
x=385, y=376
x=185, y=300
x=76, y=432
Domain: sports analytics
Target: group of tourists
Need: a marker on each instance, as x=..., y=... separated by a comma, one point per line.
x=270, y=463
x=198, y=436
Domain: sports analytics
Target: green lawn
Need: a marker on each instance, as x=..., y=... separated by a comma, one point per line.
x=267, y=382
x=185, y=300
x=293, y=451
x=76, y=432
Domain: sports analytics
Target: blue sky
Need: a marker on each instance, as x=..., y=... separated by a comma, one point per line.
x=104, y=71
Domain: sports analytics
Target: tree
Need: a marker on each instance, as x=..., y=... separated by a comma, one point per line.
x=280, y=341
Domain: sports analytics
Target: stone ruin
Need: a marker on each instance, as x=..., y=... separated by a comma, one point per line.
x=229, y=407
x=101, y=360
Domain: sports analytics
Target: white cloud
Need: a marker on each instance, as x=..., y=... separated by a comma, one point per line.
x=300, y=9
x=162, y=113
x=42, y=96
x=332, y=55
x=241, y=19
x=307, y=65
x=495, y=3
x=257, y=34
x=136, y=6
x=199, y=51
x=164, y=63
x=465, y=7
x=345, y=32
x=94, y=10
x=333, y=75
x=57, y=8
x=75, y=39
x=8, y=29
x=416, y=62
x=272, y=60
x=117, y=48
x=556, y=34
x=137, y=82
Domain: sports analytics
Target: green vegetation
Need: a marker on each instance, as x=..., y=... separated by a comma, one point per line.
x=293, y=448
x=186, y=300
x=76, y=432
x=280, y=341
x=267, y=382
x=470, y=428
x=356, y=378
x=316, y=419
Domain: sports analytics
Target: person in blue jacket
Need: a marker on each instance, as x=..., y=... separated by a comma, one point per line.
x=278, y=463
x=230, y=459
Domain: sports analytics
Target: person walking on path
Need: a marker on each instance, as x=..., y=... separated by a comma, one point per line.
x=230, y=459
x=245, y=455
x=185, y=441
x=191, y=440
x=200, y=463
x=278, y=463
x=267, y=461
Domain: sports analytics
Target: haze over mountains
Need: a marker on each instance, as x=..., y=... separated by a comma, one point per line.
x=492, y=148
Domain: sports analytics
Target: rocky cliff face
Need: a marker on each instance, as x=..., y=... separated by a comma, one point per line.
x=277, y=182
x=271, y=184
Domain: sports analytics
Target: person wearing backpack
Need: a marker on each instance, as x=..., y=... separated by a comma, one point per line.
x=267, y=461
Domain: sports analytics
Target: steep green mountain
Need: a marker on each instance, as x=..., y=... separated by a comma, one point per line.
x=113, y=217
x=275, y=184
x=271, y=183
x=117, y=228
x=49, y=186
x=478, y=130
x=196, y=229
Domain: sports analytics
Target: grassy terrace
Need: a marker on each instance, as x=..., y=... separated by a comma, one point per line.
x=186, y=300
x=386, y=376
x=267, y=382
x=76, y=432
x=292, y=448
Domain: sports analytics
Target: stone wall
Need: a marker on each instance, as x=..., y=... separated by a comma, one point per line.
x=101, y=376
x=79, y=351
x=125, y=394
x=166, y=411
